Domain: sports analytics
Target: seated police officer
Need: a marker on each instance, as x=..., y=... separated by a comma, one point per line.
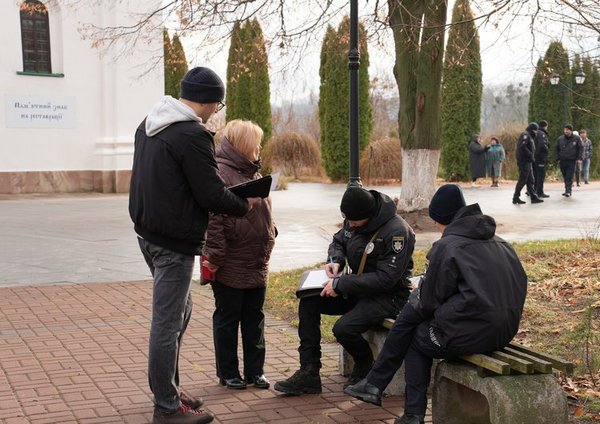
x=374, y=234
x=469, y=301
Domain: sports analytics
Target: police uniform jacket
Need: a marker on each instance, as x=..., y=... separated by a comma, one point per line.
x=541, y=147
x=474, y=288
x=241, y=247
x=525, y=150
x=569, y=148
x=388, y=266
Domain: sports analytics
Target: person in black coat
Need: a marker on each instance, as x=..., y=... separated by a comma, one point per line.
x=541, y=158
x=525, y=153
x=477, y=158
x=376, y=236
x=568, y=152
x=470, y=300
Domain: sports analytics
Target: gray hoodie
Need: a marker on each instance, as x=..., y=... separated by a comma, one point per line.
x=166, y=112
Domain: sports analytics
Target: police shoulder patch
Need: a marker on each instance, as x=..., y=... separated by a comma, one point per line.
x=397, y=243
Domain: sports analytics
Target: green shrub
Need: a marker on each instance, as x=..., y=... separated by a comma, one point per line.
x=381, y=161
x=294, y=154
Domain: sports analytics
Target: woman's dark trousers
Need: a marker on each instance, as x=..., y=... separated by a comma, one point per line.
x=235, y=308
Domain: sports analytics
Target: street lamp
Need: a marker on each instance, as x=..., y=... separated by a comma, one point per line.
x=353, y=65
x=554, y=79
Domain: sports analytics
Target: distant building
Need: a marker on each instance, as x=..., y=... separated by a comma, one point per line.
x=69, y=113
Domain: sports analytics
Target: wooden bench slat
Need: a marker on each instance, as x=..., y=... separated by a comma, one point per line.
x=487, y=362
x=539, y=365
x=558, y=363
x=517, y=364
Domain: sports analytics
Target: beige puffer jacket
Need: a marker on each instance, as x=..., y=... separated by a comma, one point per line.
x=241, y=247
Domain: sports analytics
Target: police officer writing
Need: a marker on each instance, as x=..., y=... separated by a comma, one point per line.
x=377, y=244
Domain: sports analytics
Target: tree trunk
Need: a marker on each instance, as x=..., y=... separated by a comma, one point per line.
x=418, y=27
x=419, y=166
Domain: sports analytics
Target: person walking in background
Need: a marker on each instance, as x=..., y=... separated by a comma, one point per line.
x=586, y=155
x=470, y=300
x=377, y=244
x=237, y=251
x=525, y=153
x=174, y=184
x=493, y=158
x=542, y=148
x=568, y=152
x=476, y=159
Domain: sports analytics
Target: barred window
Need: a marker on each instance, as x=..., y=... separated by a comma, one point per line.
x=35, y=37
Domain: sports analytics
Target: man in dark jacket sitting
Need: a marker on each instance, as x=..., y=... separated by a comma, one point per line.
x=377, y=244
x=469, y=301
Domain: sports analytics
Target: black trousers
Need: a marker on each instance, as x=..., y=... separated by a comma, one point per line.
x=567, y=169
x=235, y=308
x=525, y=178
x=358, y=315
x=411, y=340
x=539, y=171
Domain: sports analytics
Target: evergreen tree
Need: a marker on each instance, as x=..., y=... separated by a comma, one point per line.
x=175, y=64
x=248, y=86
x=547, y=101
x=334, y=99
x=462, y=89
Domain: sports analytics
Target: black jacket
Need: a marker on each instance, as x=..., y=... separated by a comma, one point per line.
x=569, y=148
x=388, y=266
x=474, y=288
x=174, y=184
x=525, y=150
x=541, y=147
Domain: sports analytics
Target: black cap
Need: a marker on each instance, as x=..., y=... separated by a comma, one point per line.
x=446, y=201
x=202, y=85
x=358, y=203
x=532, y=126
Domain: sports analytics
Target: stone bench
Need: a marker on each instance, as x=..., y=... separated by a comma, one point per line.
x=512, y=386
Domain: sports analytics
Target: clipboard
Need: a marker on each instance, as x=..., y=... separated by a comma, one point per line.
x=311, y=283
x=260, y=187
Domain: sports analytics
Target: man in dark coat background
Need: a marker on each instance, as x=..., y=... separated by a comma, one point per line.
x=525, y=152
x=568, y=152
x=541, y=158
x=470, y=300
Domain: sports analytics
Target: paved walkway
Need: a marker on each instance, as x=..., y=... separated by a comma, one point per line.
x=75, y=298
x=77, y=354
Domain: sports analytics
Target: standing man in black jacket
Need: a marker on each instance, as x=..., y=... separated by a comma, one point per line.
x=174, y=184
x=469, y=301
x=525, y=154
x=376, y=236
x=541, y=158
x=568, y=152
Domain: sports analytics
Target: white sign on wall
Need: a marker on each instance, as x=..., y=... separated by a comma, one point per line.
x=40, y=111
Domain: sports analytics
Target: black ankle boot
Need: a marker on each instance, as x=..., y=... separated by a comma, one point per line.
x=517, y=201
x=305, y=380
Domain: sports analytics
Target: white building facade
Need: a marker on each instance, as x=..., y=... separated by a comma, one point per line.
x=69, y=111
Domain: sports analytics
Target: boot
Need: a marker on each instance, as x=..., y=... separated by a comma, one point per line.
x=305, y=380
x=410, y=419
x=517, y=201
x=359, y=372
x=535, y=199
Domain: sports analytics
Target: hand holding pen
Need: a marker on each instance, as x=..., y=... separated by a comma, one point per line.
x=332, y=269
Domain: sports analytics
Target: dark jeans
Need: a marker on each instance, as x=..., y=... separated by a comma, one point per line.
x=171, y=312
x=567, y=169
x=525, y=178
x=539, y=176
x=358, y=315
x=235, y=308
x=409, y=340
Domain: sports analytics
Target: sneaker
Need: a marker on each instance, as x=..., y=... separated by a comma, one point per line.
x=184, y=415
x=189, y=401
x=410, y=419
x=303, y=381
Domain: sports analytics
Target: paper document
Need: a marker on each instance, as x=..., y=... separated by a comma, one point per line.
x=314, y=279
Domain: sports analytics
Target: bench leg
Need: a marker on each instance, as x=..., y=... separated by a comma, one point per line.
x=461, y=396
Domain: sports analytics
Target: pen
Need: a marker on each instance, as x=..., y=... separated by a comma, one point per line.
x=331, y=263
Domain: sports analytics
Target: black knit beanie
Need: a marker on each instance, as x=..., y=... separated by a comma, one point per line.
x=533, y=126
x=202, y=85
x=446, y=201
x=358, y=203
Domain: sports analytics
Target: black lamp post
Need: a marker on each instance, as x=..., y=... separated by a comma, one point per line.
x=555, y=80
x=353, y=65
